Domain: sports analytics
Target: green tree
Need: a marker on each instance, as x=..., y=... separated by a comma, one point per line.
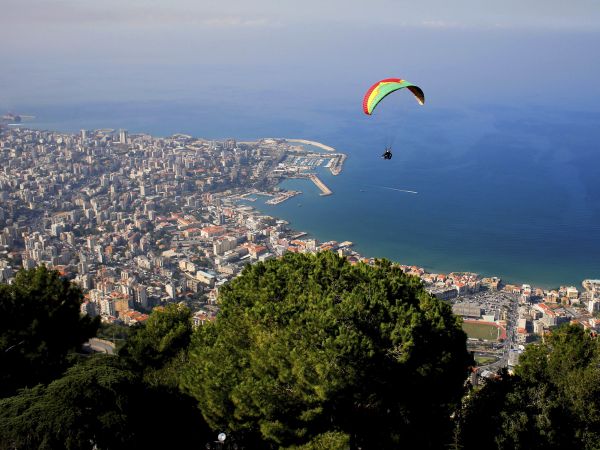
x=552, y=401
x=100, y=404
x=40, y=323
x=310, y=349
x=116, y=333
x=158, y=347
x=326, y=441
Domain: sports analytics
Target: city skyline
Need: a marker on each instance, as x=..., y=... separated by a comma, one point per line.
x=140, y=222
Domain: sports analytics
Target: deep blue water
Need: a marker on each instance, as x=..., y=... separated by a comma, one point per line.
x=507, y=191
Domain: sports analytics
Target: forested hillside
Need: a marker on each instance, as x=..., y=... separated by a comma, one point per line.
x=307, y=352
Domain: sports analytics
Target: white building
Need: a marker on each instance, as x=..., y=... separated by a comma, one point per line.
x=123, y=136
x=206, y=278
x=141, y=295
x=224, y=244
x=107, y=307
x=170, y=289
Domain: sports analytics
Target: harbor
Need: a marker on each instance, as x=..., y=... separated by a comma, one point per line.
x=336, y=164
x=282, y=197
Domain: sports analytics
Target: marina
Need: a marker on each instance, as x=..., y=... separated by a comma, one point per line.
x=282, y=197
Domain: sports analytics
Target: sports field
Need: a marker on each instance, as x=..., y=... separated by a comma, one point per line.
x=481, y=331
x=484, y=360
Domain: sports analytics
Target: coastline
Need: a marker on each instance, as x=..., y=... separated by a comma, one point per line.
x=550, y=283
x=426, y=268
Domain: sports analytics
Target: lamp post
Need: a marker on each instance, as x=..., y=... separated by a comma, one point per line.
x=220, y=442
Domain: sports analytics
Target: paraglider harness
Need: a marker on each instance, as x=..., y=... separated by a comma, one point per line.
x=387, y=154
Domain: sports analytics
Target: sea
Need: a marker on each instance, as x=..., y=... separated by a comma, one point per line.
x=504, y=190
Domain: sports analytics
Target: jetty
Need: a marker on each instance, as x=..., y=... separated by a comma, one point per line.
x=282, y=197
x=313, y=143
x=322, y=186
x=336, y=163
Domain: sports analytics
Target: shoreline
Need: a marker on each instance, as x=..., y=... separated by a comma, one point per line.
x=552, y=284
x=429, y=269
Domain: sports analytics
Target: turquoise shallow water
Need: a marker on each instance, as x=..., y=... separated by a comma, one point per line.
x=513, y=192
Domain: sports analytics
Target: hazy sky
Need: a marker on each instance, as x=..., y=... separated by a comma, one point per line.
x=575, y=14
x=82, y=50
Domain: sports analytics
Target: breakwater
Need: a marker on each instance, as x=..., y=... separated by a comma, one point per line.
x=313, y=143
x=322, y=186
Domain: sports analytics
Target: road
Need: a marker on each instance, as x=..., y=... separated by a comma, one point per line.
x=101, y=346
x=509, y=343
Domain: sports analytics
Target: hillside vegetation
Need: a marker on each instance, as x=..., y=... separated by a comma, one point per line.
x=308, y=352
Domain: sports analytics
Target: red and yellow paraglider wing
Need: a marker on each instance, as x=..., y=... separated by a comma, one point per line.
x=383, y=88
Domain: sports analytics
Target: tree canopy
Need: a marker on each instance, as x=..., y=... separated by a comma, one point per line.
x=308, y=352
x=40, y=323
x=158, y=347
x=310, y=349
x=551, y=402
x=100, y=404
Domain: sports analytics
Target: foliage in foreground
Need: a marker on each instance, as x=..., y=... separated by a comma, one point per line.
x=158, y=348
x=552, y=401
x=310, y=348
x=109, y=402
x=40, y=324
x=308, y=353
x=100, y=404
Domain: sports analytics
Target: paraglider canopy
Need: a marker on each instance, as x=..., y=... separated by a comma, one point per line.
x=383, y=88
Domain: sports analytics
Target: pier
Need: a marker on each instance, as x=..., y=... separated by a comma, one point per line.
x=322, y=186
x=337, y=163
x=282, y=197
x=327, y=148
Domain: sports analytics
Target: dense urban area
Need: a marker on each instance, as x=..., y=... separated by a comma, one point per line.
x=140, y=221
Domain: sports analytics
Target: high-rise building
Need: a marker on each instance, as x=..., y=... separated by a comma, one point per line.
x=121, y=305
x=229, y=144
x=123, y=136
x=56, y=229
x=141, y=296
x=107, y=307
x=89, y=308
x=170, y=290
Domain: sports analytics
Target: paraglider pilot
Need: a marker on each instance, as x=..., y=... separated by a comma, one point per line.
x=387, y=154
